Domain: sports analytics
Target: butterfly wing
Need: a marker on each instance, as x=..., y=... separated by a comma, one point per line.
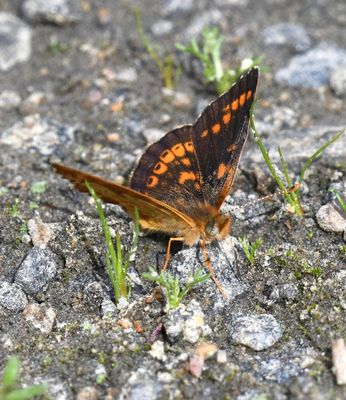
x=168, y=171
x=154, y=214
x=219, y=135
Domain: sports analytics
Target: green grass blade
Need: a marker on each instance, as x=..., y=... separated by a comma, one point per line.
x=11, y=371
x=319, y=151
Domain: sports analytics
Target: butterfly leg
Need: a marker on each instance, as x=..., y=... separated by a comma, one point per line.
x=211, y=270
x=168, y=252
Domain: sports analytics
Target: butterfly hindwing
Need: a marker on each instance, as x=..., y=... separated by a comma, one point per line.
x=219, y=135
x=168, y=170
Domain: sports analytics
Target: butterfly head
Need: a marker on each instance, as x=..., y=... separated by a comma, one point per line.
x=218, y=227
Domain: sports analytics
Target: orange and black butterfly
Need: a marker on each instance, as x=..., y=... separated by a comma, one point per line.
x=182, y=180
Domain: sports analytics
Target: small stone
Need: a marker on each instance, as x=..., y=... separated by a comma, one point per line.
x=158, y=350
x=339, y=360
x=37, y=269
x=141, y=385
x=125, y=323
x=173, y=7
x=40, y=316
x=330, y=219
x=37, y=134
x=9, y=99
x=313, y=68
x=109, y=74
x=15, y=41
x=126, y=75
x=286, y=291
x=87, y=393
x=162, y=27
x=196, y=364
x=259, y=332
x=152, y=135
x=108, y=308
x=57, y=12
x=289, y=35
x=181, y=101
x=165, y=377
x=12, y=297
x=31, y=104
x=206, y=350
x=221, y=356
x=104, y=16
x=211, y=17
x=113, y=137
x=338, y=81
x=40, y=233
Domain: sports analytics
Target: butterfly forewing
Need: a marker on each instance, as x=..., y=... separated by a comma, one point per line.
x=168, y=170
x=219, y=135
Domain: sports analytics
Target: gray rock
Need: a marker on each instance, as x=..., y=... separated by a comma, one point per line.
x=126, y=75
x=338, y=81
x=12, y=297
x=208, y=18
x=162, y=27
x=59, y=12
x=38, y=135
x=40, y=232
x=312, y=69
x=37, y=269
x=15, y=41
x=9, y=99
x=171, y=7
x=259, y=332
x=330, y=219
x=289, y=35
x=40, y=316
x=287, y=291
x=141, y=385
x=281, y=371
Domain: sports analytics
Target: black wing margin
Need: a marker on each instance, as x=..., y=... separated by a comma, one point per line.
x=219, y=135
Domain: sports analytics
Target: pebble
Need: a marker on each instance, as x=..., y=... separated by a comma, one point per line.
x=40, y=232
x=313, y=68
x=40, y=316
x=338, y=81
x=162, y=27
x=141, y=385
x=87, y=393
x=293, y=36
x=187, y=322
x=126, y=75
x=12, y=297
x=31, y=104
x=152, y=135
x=15, y=41
x=173, y=7
x=221, y=356
x=339, y=360
x=113, y=137
x=181, y=101
x=37, y=269
x=38, y=135
x=195, y=365
x=259, y=332
x=158, y=350
x=9, y=99
x=58, y=12
x=209, y=18
x=330, y=219
x=286, y=291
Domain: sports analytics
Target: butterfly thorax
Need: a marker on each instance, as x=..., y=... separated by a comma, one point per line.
x=211, y=225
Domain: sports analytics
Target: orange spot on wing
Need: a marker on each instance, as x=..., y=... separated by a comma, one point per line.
x=227, y=109
x=160, y=168
x=186, y=176
x=242, y=99
x=189, y=146
x=231, y=147
x=204, y=133
x=235, y=105
x=186, y=162
x=167, y=156
x=221, y=170
x=226, y=118
x=178, y=150
x=248, y=94
x=198, y=187
x=152, y=181
x=216, y=128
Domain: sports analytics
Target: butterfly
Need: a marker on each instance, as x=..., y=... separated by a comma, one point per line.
x=182, y=180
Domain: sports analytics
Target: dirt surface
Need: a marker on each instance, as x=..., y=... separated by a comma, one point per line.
x=89, y=96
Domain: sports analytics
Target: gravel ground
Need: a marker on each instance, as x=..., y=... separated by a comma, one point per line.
x=77, y=86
